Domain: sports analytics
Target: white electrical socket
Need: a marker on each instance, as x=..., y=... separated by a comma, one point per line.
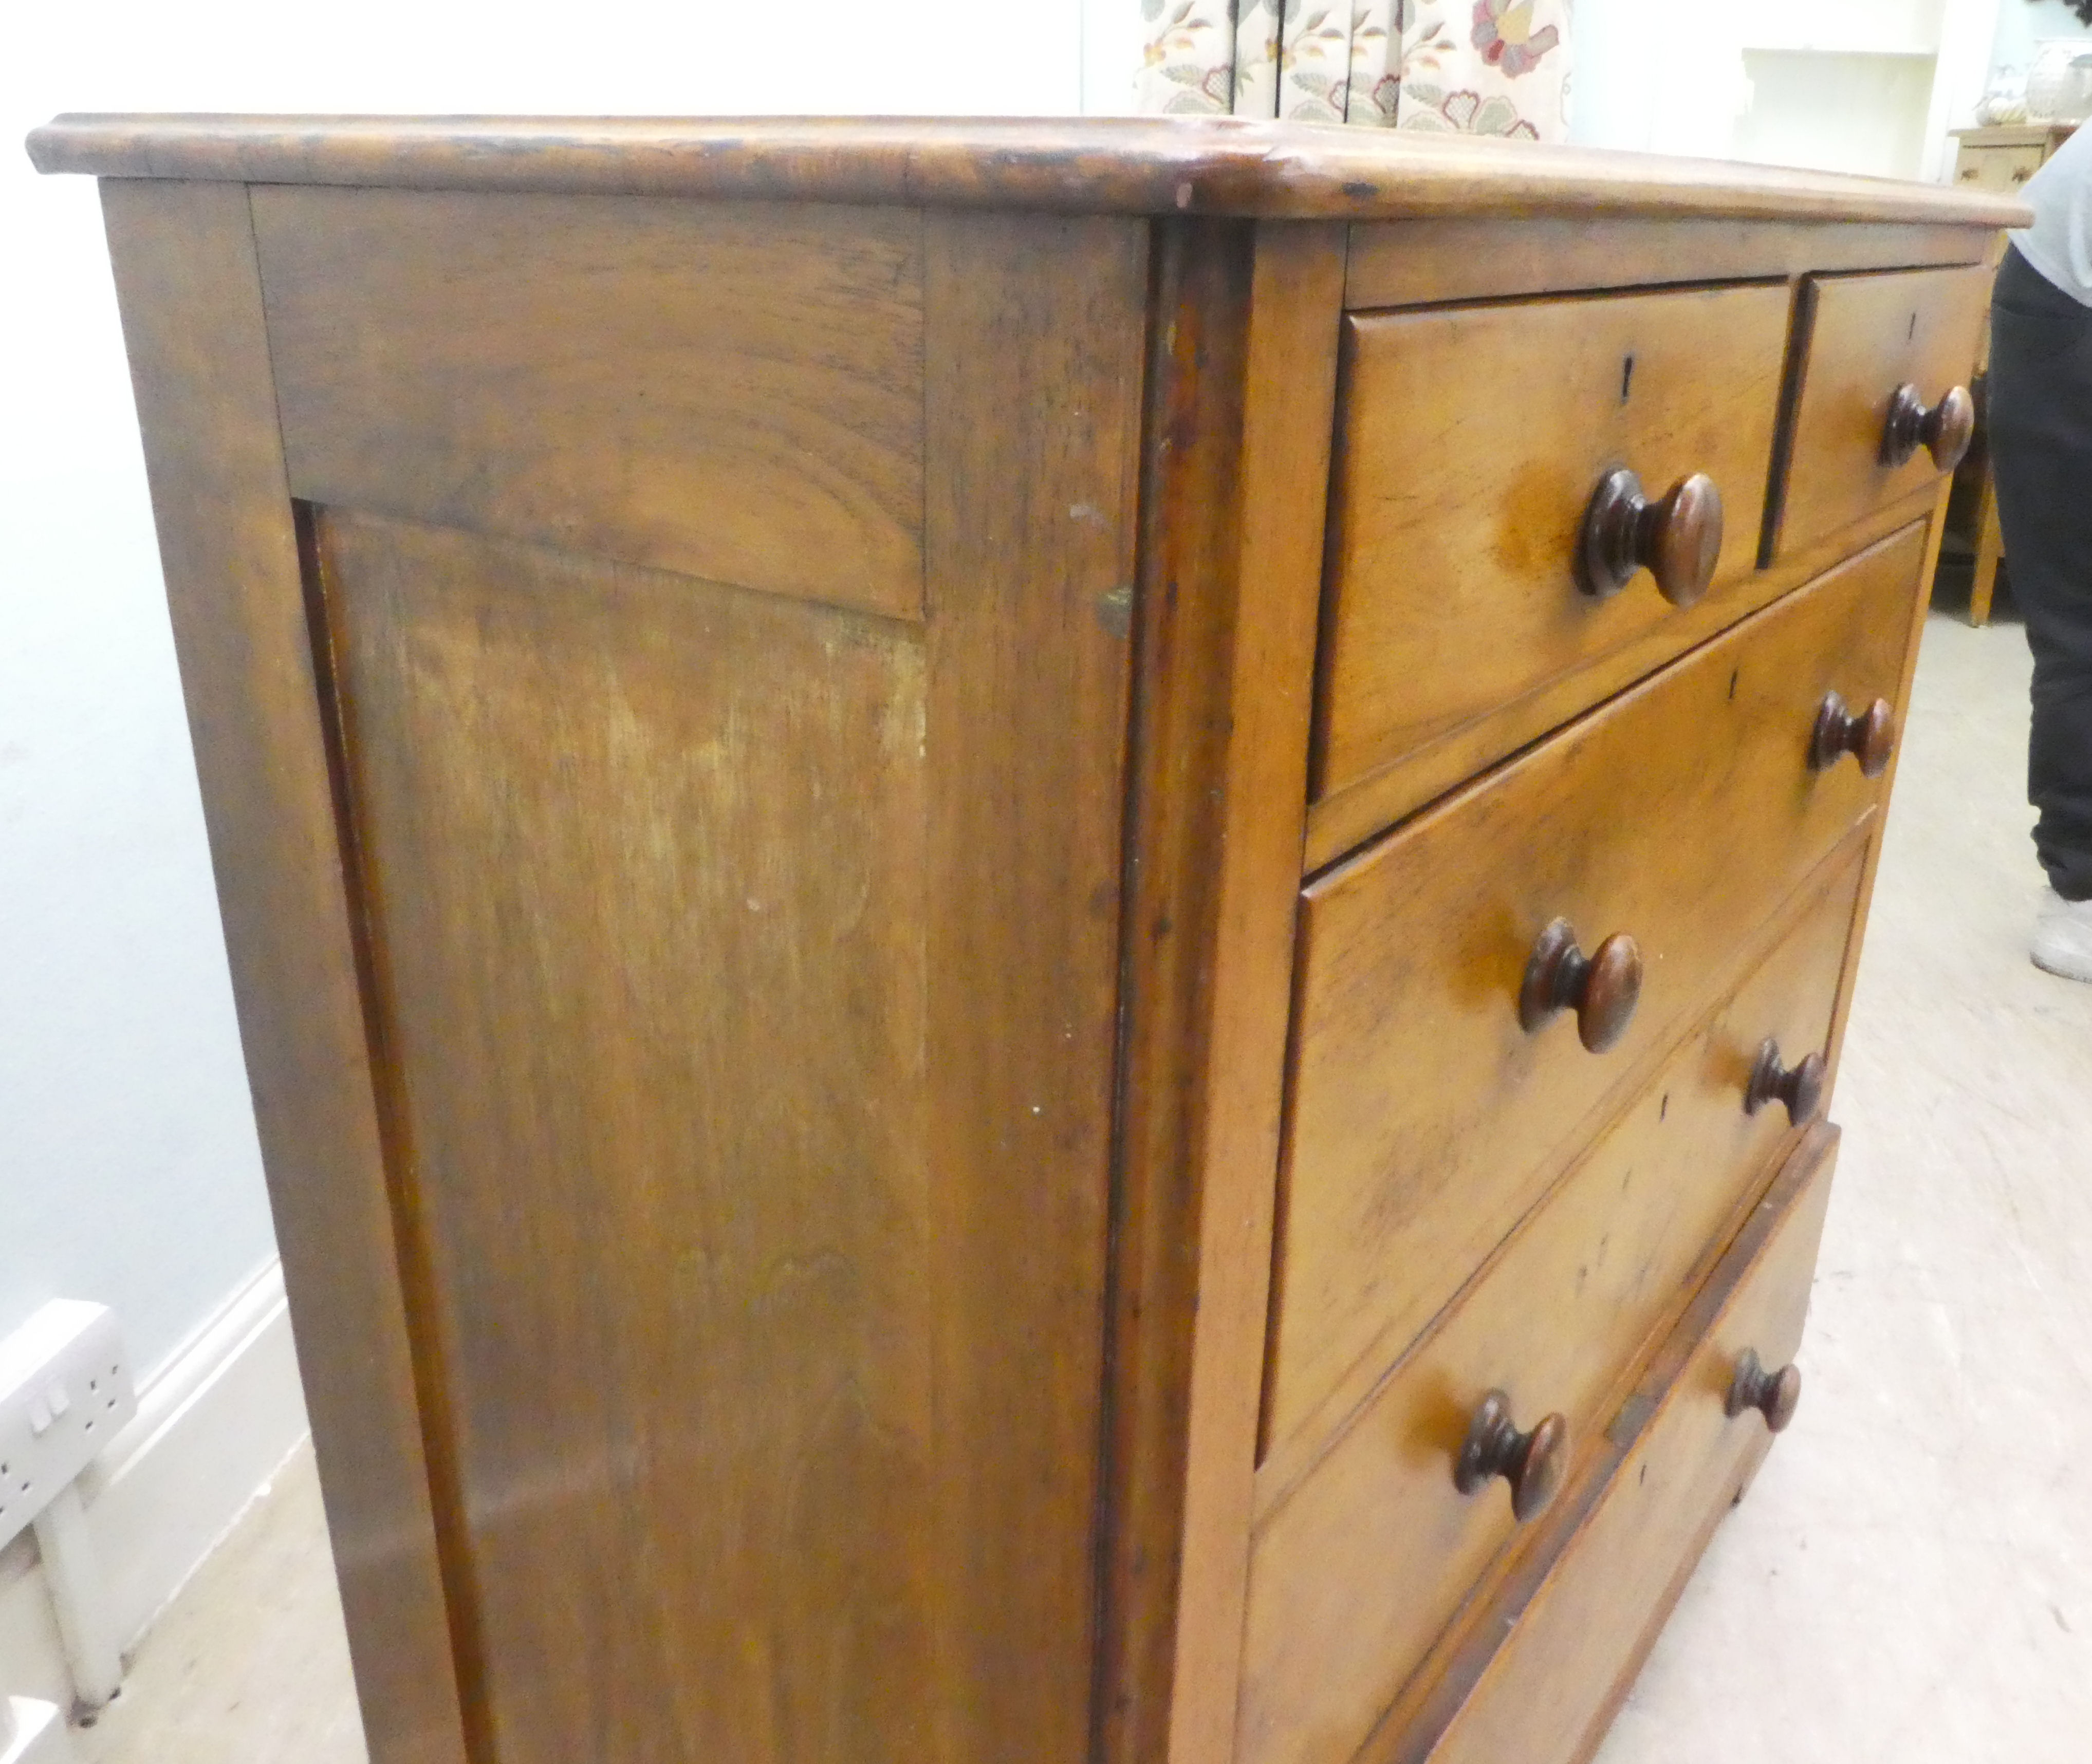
x=65, y=1389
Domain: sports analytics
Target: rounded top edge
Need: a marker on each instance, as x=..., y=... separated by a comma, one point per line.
x=1211, y=165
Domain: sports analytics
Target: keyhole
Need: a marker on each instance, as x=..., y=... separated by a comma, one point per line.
x=1626, y=377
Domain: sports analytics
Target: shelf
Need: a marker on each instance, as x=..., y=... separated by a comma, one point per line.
x=1889, y=52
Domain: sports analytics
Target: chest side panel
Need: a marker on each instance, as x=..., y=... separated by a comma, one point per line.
x=740, y=957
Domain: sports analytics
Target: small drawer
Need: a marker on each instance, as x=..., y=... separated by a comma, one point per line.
x=1426, y=1117
x=1365, y=1560
x=1896, y=348
x=1541, y=1668
x=1470, y=442
x=1997, y=168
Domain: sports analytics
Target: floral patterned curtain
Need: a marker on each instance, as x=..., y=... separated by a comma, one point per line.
x=1470, y=66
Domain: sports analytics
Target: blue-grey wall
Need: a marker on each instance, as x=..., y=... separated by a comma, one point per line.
x=2023, y=23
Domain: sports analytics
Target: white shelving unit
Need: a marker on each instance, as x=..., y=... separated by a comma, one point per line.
x=1870, y=86
x=1838, y=109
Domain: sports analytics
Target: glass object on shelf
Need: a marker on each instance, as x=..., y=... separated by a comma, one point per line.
x=2059, y=85
x=2004, y=99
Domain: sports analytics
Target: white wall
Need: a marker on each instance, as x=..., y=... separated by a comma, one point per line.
x=128, y=1172
x=1847, y=86
x=1657, y=75
x=2022, y=26
x=1859, y=113
x=2021, y=23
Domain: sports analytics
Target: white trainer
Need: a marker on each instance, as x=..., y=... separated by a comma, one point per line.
x=2063, y=937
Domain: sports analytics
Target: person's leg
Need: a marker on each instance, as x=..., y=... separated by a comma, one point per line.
x=2041, y=451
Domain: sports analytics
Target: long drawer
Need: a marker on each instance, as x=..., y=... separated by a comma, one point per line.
x=1424, y=1119
x=1364, y=1560
x=1542, y=1664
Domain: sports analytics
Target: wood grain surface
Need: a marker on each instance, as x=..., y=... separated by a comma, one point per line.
x=1935, y=535
x=1368, y=1556
x=1464, y=258
x=191, y=299
x=1240, y=401
x=1148, y=165
x=747, y=972
x=1038, y=330
x=1340, y=823
x=764, y=690
x=1561, y=1653
x=690, y=1372
x=1681, y=813
x=1458, y=497
x=731, y=391
x=1865, y=335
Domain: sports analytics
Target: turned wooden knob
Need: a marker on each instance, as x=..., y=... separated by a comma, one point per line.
x=1869, y=736
x=1532, y=1463
x=1944, y=431
x=1677, y=539
x=1602, y=987
x=1802, y=1088
x=1773, y=1394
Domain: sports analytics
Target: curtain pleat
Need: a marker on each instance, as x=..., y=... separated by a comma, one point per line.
x=1470, y=66
x=1188, y=63
x=1375, y=81
x=1256, y=57
x=1315, y=60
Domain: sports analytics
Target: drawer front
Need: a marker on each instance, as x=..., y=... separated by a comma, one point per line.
x=1997, y=168
x=1364, y=1562
x=1867, y=336
x=1565, y=1649
x=1470, y=443
x=1425, y=1120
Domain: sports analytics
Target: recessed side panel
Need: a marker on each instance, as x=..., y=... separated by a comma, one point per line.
x=745, y=976
x=645, y=874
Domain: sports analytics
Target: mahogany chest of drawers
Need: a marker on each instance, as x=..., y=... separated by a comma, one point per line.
x=1041, y=927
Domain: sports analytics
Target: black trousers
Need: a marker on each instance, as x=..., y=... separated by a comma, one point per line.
x=2041, y=456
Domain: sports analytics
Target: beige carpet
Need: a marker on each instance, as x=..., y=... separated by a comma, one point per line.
x=249, y=1665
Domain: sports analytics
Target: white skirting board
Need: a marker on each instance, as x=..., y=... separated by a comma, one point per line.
x=213, y=1424
x=32, y=1732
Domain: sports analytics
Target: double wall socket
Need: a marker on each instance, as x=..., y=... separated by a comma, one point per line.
x=65, y=1389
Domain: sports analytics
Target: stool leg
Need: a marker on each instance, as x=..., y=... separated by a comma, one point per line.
x=77, y=1598
x=1990, y=553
